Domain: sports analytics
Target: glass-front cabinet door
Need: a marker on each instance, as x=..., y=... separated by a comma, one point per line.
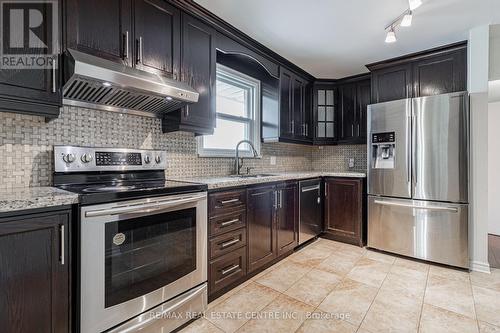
x=147, y=253
x=324, y=110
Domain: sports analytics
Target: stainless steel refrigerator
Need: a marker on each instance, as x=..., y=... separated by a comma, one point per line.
x=418, y=166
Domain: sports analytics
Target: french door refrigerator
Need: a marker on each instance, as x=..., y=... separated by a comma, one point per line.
x=418, y=159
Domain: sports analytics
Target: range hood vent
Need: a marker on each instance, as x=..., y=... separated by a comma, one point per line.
x=97, y=83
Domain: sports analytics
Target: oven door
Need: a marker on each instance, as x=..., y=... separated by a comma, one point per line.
x=138, y=254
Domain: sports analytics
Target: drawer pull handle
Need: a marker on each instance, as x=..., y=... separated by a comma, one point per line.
x=225, y=224
x=230, y=269
x=229, y=201
x=231, y=242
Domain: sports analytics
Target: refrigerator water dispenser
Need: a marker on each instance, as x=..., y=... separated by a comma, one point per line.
x=383, y=150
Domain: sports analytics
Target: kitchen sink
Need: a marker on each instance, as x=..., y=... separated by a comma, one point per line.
x=256, y=175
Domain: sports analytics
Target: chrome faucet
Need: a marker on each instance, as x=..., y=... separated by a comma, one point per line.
x=237, y=165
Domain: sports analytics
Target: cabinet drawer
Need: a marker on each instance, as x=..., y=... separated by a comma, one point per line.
x=224, y=202
x=227, y=242
x=227, y=222
x=227, y=269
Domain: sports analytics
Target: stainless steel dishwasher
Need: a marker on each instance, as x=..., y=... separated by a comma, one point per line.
x=311, y=209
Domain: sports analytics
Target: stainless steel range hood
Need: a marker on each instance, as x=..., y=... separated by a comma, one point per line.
x=97, y=83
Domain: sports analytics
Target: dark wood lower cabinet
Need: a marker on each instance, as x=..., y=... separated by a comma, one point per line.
x=35, y=273
x=344, y=210
x=261, y=217
x=287, y=218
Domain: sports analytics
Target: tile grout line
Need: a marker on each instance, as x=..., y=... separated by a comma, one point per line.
x=423, y=298
x=474, y=302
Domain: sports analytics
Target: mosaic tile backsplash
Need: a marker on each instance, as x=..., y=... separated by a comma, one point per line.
x=26, y=147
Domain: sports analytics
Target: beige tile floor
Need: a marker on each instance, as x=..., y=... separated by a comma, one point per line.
x=334, y=287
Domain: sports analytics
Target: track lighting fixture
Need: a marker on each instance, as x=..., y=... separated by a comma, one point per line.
x=406, y=21
x=391, y=36
x=414, y=4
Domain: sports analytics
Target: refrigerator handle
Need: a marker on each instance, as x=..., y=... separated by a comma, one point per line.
x=397, y=204
x=408, y=145
x=414, y=146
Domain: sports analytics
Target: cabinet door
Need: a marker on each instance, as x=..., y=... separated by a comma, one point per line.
x=198, y=70
x=287, y=222
x=347, y=109
x=261, y=216
x=298, y=107
x=325, y=129
x=363, y=98
x=391, y=83
x=34, y=274
x=343, y=209
x=157, y=37
x=286, y=104
x=440, y=74
x=100, y=28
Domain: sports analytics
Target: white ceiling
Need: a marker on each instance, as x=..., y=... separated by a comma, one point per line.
x=336, y=38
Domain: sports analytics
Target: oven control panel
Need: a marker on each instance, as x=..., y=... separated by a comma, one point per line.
x=83, y=159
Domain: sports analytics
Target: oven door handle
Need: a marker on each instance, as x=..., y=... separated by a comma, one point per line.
x=143, y=208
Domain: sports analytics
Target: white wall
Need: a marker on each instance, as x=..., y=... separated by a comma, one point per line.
x=493, y=168
x=478, y=59
x=494, y=48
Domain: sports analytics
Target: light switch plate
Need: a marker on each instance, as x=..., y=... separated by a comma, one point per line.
x=273, y=160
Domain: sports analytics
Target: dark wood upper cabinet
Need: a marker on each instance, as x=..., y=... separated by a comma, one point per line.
x=198, y=69
x=295, y=118
x=157, y=37
x=33, y=91
x=34, y=275
x=440, y=74
x=437, y=71
x=363, y=99
x=261, y=216
x=347, y=108
x=287, y=218
x=392, y=83
x=325, y=113
x=101, y=28
x=344, y=220
x=286, y=104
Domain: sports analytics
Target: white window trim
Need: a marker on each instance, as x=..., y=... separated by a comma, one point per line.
x=254, y=85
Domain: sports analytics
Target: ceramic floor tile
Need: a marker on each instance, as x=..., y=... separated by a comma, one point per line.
x=284, y=276
x=236, y=310
x=450, y=294
x=488, y=328
x=338, y=263
x=225, y=296
x=392, y=312
x=490, y=281
x=321, y=322
x=350, y=299
x=369, y=271
x=449, y=273
x=285, y=314
x=379, y=256
x=487, y=302
x=412, y=264
x=201, y=326
x=313, y=287
x=436, y=319
x=406, y=281
x=310, y=256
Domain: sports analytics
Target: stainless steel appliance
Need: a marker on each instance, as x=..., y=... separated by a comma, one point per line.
x=310, y=209
x=142, y=240
x=418, y=156
x=98, y=83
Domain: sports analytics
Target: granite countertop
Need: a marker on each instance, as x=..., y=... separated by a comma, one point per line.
x=34, y=197
x=217, y=182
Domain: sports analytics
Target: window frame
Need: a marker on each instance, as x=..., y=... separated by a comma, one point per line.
x=252, y=85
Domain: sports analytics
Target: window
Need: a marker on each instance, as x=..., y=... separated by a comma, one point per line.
x=237, y=115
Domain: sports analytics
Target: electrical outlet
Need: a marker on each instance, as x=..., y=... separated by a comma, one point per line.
x=273, y=160
x=350, y=162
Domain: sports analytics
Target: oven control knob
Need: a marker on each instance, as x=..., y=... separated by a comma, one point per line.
x=147, y=159
x=86, y=158
x=69, y=158
x=158, y=159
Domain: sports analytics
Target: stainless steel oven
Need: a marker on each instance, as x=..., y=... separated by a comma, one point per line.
x=140, y=260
